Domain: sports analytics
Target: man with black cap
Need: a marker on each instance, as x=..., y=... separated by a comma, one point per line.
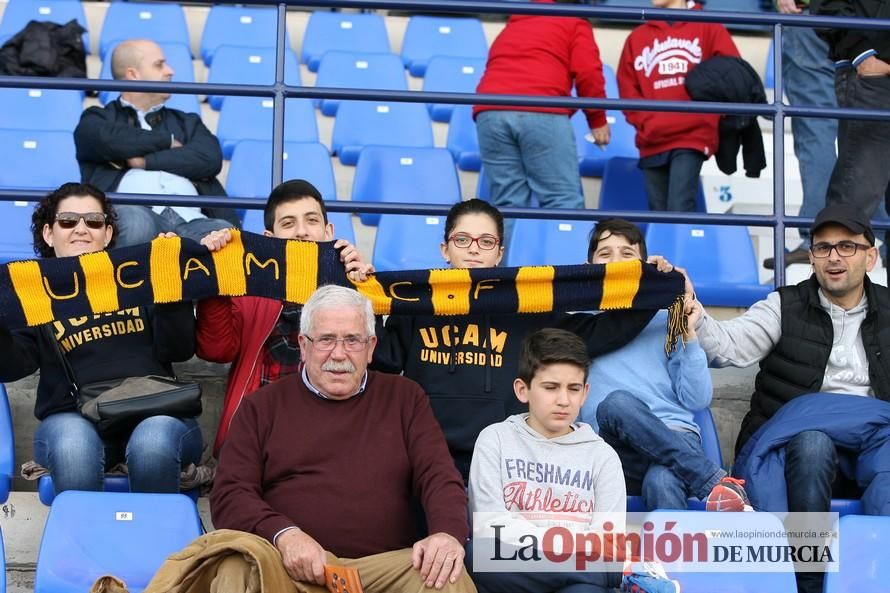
x=825, y=334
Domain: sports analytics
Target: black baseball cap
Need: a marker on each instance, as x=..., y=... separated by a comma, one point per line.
x=851, y=218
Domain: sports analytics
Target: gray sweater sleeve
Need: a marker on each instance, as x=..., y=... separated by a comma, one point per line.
x=609, y=487
x=485, y=488
x=745, y=340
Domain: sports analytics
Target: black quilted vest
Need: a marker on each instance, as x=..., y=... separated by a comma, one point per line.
x=796, y=366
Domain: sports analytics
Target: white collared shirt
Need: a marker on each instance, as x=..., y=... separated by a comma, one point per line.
x=140, y=181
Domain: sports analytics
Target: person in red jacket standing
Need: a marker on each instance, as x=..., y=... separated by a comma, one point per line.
x=654, y=63
x=259, y=335
x=532, y=149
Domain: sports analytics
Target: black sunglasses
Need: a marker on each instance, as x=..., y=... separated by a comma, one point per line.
x=93, y=220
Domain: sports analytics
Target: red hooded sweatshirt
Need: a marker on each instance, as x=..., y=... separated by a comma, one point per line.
x=656, y=58
x=544, y=56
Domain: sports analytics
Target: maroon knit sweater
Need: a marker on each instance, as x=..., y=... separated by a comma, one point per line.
x=344, y=471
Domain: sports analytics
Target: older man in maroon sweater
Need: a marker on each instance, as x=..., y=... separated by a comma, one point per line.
x=324, y=464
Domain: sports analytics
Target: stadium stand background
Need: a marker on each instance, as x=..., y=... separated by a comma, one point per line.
x=22, y=517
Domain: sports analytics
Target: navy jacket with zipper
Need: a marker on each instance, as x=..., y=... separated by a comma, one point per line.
x=107, y=136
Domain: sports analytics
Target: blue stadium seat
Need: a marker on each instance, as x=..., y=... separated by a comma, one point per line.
x=409, y=242
x=40, y=109
x=91, y=534
x=113, y=483
x=624, y=188
x=591, y=158
x=446, y=74
x=250, y=118
x=428, y=36
x=359, y=70
x=398, y=174
x=846, y=506
x=769, y=77
x=738, y=6
x=779, y=580
x=863, y=553
x=719, y=259
x=19, y=12
x=362, y=123
x=611, y=82
x=26, y=154
x=249, y=65
x=160, y=22
x=358, y=32
x=710, y=442
x=462, y=140
x=244, y=26
x=250, y=173
x=539, y=242
x=179, y=57
x=7, y=449
x=16, y=241
x=342, y=221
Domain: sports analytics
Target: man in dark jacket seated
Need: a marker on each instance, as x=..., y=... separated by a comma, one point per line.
x=826, y=334
x=137, y=145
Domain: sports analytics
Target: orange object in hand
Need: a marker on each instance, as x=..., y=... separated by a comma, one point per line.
x=340, y=579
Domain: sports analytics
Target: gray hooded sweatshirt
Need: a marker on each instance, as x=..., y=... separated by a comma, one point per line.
x=517, y=469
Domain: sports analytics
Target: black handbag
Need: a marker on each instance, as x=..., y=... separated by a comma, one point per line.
x=116, y=406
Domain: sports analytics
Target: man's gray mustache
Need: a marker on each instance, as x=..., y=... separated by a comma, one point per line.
x=338, y=367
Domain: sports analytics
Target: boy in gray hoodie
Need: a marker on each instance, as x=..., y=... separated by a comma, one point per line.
x=543, y=462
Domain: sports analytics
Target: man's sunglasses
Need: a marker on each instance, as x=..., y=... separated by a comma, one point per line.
x=93, y=220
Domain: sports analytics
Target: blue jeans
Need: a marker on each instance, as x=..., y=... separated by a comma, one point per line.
x=68, y=445
x=808, y=77
x=525, y=152
x=674, y=185
x=810, y=470
x=668, y=465
x=140, y=224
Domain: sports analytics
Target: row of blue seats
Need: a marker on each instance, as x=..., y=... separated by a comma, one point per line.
x=256, y=27
x=357, y=124
x=413, y=175
x=90, y=534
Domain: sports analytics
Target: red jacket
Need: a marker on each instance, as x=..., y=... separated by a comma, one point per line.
x=656, y=58
x=544, y=56
x=234, y=330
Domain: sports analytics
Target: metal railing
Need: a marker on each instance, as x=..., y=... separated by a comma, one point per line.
x=777, y=111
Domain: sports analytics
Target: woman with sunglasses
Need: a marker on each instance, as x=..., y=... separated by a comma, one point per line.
x=73, y=220
x=467, y=363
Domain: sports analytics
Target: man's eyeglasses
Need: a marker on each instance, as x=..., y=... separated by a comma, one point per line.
x=93, y=220
x=843, y=248
x=350, y=343
x=485, y=242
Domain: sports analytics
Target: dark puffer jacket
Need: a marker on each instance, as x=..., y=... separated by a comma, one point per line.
x=45, y=49
x=733, y=80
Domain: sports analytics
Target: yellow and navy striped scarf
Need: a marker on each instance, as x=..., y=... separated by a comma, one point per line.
x=171, y=270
